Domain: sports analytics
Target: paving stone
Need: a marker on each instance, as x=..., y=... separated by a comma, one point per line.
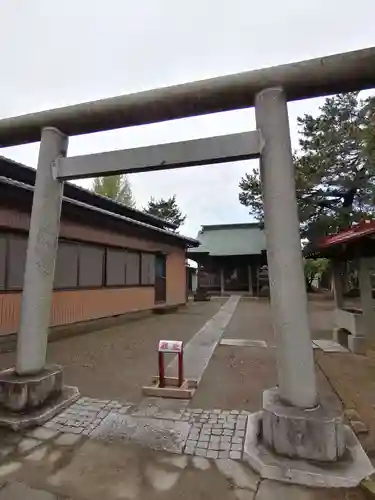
x=235, y=455
x=229, y=426
x=189, y=450
x=200, y=452
x=225, y=439
x=21, y=491
x=236, y=447
x=223, y=454
x=27, y=444
x=202, y=444
x=193, y=437
x=72, y=430
x=236, y=440
x=212, y=454
x=216, y=432
x=216, y=411
x=204, y=437
x=239, y=434
x=37, y=455
x=241, y=426
x=9, y=468
x=43, y=433
x=218, y=426
x=198, y=411
x=214, y=439
x=102, y=414
x=228, y=432
x=191, y=443
x=67, y=439
x=235, y=412
x=225, y=446
x=83, y=400
x=213, y=446
x=50, y=425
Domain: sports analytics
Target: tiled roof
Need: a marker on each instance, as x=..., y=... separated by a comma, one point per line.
x=231, y=239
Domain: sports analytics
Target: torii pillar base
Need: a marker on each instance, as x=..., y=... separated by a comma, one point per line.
x=30, y=400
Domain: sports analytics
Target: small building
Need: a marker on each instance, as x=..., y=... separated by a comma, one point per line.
x=231, y=258
x=111, y=259
x=354, y=321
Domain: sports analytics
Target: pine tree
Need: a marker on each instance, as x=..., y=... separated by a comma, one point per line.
x=335, y=167
x=166, y=209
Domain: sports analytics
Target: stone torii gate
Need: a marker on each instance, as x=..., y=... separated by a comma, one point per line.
x=294, y=421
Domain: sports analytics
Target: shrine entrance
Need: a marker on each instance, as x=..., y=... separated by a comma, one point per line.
x=293, y=404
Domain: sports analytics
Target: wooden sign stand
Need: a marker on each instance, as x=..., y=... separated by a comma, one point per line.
x=171, y=387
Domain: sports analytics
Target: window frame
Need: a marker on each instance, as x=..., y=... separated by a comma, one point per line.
x=8, y=234
x=114, y=249
x=67, y=288
x=91, y=287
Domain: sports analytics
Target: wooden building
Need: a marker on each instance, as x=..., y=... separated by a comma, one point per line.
x=111, y=259
x=231, y=258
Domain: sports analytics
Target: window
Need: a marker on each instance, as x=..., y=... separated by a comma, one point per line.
x=3, y=250
x=16, y=261
x=132, y=268
x=91, y=260
x=80, y=265
x=148, y=269
x=66, y=268
x=115, y=267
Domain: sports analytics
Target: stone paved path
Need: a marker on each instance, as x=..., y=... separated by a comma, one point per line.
x=206, y=433
x=99, y=449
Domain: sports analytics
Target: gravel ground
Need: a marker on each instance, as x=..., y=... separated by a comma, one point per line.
x=115, y=363
x=237, y=376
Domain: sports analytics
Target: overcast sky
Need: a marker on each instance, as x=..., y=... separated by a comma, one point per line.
x=55, y=53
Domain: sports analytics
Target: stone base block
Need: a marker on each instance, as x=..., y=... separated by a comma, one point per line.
x=38, y=416
x=347, y=472
x=25, y=393
x=355, y=343
x=316, y=434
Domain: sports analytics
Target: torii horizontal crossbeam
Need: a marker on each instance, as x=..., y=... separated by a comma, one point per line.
x=313, y=78
x=221, y=149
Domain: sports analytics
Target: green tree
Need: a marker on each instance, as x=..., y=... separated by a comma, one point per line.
x=166, y=209
x=314, y=269
x=116, y=187
x=335, y=167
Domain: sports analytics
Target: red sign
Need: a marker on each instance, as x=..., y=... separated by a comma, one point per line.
x=170, y=346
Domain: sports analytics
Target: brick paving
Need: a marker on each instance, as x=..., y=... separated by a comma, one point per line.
x=212, y=433
x=216, y=433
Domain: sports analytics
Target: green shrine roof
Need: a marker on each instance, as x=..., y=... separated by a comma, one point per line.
x=231, y=239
